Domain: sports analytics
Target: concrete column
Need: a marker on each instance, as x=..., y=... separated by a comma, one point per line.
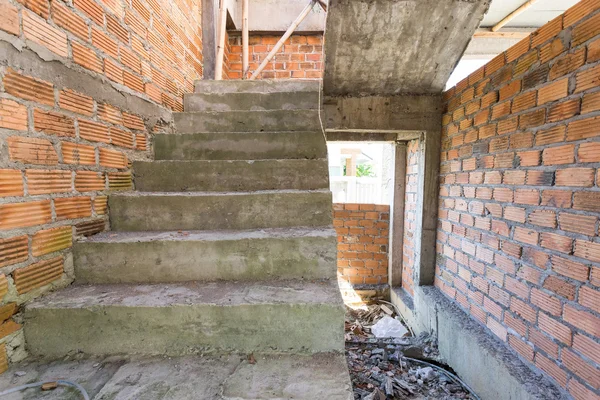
x=209, y=50
x=427, y=207
x=397, y=217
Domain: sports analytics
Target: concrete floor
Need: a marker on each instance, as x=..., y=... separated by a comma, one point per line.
x=320, y=376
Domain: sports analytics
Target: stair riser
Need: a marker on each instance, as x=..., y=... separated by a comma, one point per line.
x=214, y=212
x=184, y=329
x=246, y=121
x=257, y=86
x=240, y=146
x=251, y=101
x=180, y=261
x=190, y=176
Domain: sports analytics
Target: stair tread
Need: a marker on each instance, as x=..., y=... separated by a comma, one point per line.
x=226, y=293
x=201, y=194
x=215, y=235
x=257, y=86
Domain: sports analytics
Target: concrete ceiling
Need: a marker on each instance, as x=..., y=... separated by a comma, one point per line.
x=386, y=47
x=536, y=16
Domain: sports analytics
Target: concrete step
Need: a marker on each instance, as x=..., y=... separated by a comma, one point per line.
x=177, y=319
x=240, y=146
x=257, y=86
x=308, y=100
x=246, y=121
x=203, y=377
x=156, y=257
x=143, y=211
x=189, y=176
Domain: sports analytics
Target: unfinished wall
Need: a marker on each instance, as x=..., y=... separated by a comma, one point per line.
x=410, y=215
x=518, y=246
x=83, y=85
x=363, y=237
x=300, y=57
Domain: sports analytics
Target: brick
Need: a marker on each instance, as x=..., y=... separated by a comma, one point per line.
x=593, y=51
x=133, y=122
x=585, y=31
x=518, y=49
x=590, y=103
x=555, y=328
x=532, y=119
x=40, y=32
x=31, y=150
x=529, y=158
x=20, y=215
x=551, y=369
x=124, y=181
x=70, y=21
x=546, y=32
x=495, y=64
x=72, y=207
x=580, y=392
x=3, y=286
x=29, y=88
x=51, y=240
x=525, y=350
x=132, y=81
x=76, y=102
x=556, y=242
x=526, y=236
x=557, y=198
x=12, y=251
x=114, y=27
x=548, y=303
x=7, y=311
x=567, y=64
x=589, y=298
x=525, y=63
x=92, y=9
x=88, y=181
x=112, y=158
x=93, y=131
x=48, y=181
x=53, y=123
x=539, y=178
x=100, y=205
x=86, y=57
x=113, y=71
x=8, y=328
x=545, y=218
x=516, y=214
x=527, y=196
x=524, y=101
x=581, y=177
x=564, y=110
x=588, y=79
x=551, y=50
x=78, y=154
x=13, y=115
x=38, y=274
x=570, y=269
x=497, y=328
x=583, y=224
x=553, y=135
x=587, y=347
x=560, y=287
x=555, y=91
x=587, y=201
x=583, y=320
x=588, y=250
x=10, y=20
x=11, y=183
x=559, y=155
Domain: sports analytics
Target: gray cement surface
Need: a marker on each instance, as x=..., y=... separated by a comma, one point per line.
x=256, y=86
x=218, y=377
x=228, y=175
x=154, y=257
x=250, y=101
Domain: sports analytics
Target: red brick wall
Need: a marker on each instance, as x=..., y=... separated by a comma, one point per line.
x=363, y=236
x=64, y=150
x=410, y=217
x=518, y=245
x=300, y=57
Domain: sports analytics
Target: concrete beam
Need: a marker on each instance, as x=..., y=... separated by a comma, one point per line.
x=386, y=47
x=397, y=217
x=269, y=16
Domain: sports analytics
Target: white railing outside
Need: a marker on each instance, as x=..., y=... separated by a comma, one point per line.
x=352, y=189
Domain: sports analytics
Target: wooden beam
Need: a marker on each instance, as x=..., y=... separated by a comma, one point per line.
x=513, y=15
x=501, y=35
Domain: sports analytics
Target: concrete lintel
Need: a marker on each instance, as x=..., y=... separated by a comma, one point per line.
x=485, y=363
x=406, y=112
x=366, y=135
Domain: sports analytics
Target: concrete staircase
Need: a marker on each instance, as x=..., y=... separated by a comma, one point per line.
x=226, y=245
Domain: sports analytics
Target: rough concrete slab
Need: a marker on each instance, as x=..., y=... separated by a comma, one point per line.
x=383, y=47
x=308, y=100
x=224, y=377
x=240, y=146
x=213, y=175
x=484, y=362
x=257, y=86
x=142, y=211
x=154, y=257
x=246, y=121
x=177, y=319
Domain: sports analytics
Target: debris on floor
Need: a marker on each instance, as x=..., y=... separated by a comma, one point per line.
x=386, y=368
